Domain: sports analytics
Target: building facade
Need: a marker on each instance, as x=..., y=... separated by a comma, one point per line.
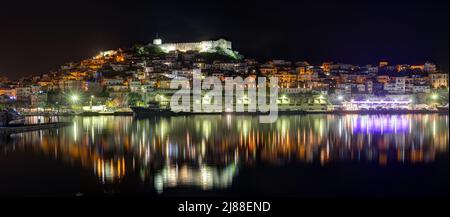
x=439, y=80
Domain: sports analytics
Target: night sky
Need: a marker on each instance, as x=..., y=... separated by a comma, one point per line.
x=38, y=36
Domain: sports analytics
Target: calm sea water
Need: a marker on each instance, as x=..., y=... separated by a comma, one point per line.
x=298, y=156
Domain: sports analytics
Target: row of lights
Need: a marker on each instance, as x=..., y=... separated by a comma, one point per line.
x=75, y=97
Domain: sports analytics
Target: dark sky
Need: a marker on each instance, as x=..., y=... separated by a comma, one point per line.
x=37, y=36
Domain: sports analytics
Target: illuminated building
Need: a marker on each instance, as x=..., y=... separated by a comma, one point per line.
x=286, y=79
x=344, y=88
x=268, y=70
x=383, y=79
x=396, y=86
x=135, y=86
x=382, y=64
x=112, y=81
x=372, y=69
x=439, y=80
x=369, y=87
x=379, y=103
x=106, y=54
x=23, y=93
x=417, y=67
x=301, y=70
x=420, y=89
x=71, y=85
x=402, y=67
x=37, y=98
x=326, y=66
x=429, y=67
x=202, y=46
x=8, y=92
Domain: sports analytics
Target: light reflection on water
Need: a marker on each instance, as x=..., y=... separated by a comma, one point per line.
x=207, y=151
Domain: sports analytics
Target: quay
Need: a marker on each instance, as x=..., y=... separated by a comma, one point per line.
x=146, y=112
x=87, y=113
x=105, y=113
x=8, y=130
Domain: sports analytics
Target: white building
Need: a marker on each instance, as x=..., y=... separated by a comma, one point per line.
x=112, y=81
x=117, y=88
x=397, y=85
x=344, y=88
x=361, y=88
x=135, y=86
x=369, y=87
x=24, y=93
x=202, y=46
x=185, y=73
x=421, y=89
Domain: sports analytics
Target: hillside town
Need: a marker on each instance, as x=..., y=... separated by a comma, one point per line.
x=116, y=80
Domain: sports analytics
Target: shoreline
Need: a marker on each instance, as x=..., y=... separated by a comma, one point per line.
x=146, y=112
x=143, y=112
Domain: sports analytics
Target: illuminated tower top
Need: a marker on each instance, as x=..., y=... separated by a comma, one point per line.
x=157, y=41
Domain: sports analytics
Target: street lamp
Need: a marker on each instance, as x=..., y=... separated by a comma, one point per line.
x=434, y=96
x=160, y=97
x=90, y=102
x=74, y=98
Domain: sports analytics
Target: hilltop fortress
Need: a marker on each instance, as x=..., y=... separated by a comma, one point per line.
x=202, y=46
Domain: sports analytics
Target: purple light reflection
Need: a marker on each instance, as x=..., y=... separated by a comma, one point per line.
x=380, y=124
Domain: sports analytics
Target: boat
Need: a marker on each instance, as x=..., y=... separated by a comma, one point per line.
x=153, y=109
x=11, y=117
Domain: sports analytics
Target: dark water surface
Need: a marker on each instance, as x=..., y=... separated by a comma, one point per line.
x=298, y=156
